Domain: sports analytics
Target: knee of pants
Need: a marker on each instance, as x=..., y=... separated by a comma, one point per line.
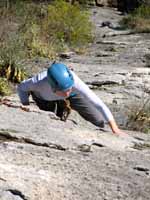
x=96, y=121
x=87, y=110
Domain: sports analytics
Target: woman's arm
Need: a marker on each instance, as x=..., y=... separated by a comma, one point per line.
x=115, y=129
x=99, y=104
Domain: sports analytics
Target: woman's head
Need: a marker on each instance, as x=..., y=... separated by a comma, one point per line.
x=59, y=77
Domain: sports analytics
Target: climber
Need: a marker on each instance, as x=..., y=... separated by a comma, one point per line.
x=52, y=87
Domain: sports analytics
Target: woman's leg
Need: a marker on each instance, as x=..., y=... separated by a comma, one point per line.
x=59, y=107
x=87, y=110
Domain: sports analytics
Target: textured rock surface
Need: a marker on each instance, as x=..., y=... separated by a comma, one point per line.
x=115, y=65
x=42, y=158
x=107, y=3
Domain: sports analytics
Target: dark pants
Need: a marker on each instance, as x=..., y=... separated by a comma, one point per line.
x=78, y=103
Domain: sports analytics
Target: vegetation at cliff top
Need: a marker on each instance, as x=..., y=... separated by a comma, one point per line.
x=34, y=29
x=139, y=20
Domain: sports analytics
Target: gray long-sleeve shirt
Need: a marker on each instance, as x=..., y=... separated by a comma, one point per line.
x=42, y=89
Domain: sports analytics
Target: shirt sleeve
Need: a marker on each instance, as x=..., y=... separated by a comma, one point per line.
x=93, y=98
x=24, y=89
x=31, y=84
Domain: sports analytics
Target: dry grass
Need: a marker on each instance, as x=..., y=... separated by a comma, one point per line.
x=139, y=116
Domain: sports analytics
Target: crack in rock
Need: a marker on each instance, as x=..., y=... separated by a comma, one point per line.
x=98, y=144
x=101, y=83
x=7, y=137
x=142, y=169
x=17, y=193
x=2, y=179
x=141, y=146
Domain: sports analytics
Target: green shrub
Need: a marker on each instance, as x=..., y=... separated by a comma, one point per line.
x=4, y=87
x=41, y=29
x=37, y=44
x=48, y=29
x=143, y=11
x=11, y=52
x=139, y=20
x=67, y=24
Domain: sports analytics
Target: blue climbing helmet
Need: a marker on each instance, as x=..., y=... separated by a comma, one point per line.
x=59, y=77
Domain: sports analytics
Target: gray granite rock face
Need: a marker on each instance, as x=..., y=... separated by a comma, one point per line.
x=44, y=158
